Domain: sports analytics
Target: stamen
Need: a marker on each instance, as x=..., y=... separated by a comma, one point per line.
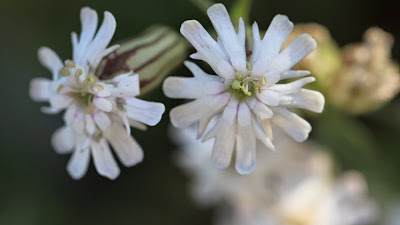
x=59, y=88
x=89, y=78
x=90, y=99
x=239, y=76
x=262, y=81
x=70, y=64
x=249, y=66
x=78, y=73
x=98, y=86
x=65, y=72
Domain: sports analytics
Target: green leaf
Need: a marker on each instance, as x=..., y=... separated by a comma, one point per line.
x=152, y=55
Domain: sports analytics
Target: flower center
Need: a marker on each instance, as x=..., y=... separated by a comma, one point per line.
x=82, y=90
x=244, y=86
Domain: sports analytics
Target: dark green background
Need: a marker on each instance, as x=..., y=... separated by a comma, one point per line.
x=35, y=187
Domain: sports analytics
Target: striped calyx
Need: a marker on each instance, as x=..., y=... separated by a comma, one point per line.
x=152, y=55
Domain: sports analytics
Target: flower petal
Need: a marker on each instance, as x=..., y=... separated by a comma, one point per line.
x=234, y=48
x=60, y=101
x=49, y=59
x=244, y=115
x=292, y=87
x=103, y=159
x=231, y=111
x=271, y=44
x=262, y=111
x=295, y=126
x=191, y=88
x=303, y=45
x=149, y=113
x=187, y=114
x=102, y=120
x=128, y=150
x=90, y=125
x=268, y=97
x=78, y=163
x=224, y=134
x=208, y=49
x=89, y=21
x=63, y=140
x=245, y=150
x=102, y=39
x=40, y=89
x=305, y=99
x=127, y=85
x=294, y=74
x=102, y=104
x=260, y=133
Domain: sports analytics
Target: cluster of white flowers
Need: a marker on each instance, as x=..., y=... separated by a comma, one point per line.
x=244, y=93
x=96, y=112
x=294, y=187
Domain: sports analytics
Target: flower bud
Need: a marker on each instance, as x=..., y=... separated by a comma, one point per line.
x=152, y=55
x=368, y=78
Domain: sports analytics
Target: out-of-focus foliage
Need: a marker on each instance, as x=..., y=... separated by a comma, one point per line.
x=152, y=55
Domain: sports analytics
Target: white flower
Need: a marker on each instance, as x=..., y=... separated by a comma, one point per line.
x=96, y=111
x=245, y=93
x=295, y=187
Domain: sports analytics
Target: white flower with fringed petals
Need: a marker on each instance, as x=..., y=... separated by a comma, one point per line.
x=244, y=92
x=96, y=111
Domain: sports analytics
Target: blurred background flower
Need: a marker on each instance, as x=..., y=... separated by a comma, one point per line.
x=359, y=129
x=296, y=185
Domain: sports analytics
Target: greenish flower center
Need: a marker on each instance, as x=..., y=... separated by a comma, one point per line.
x=245, y=86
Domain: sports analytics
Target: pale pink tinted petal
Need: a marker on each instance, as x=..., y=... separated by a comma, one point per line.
x=102, y=38
x=90, y=125
x=104, y=160
x=102, y=120
x=63, y=140
x=40, y=89
x=149, y=113
x=60, y=101
x=78, y=163
x=128, y=150
x=103, y=104
x=89, y=21
x=49, y=59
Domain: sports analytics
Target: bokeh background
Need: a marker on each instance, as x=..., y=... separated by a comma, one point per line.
x=34, y=185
